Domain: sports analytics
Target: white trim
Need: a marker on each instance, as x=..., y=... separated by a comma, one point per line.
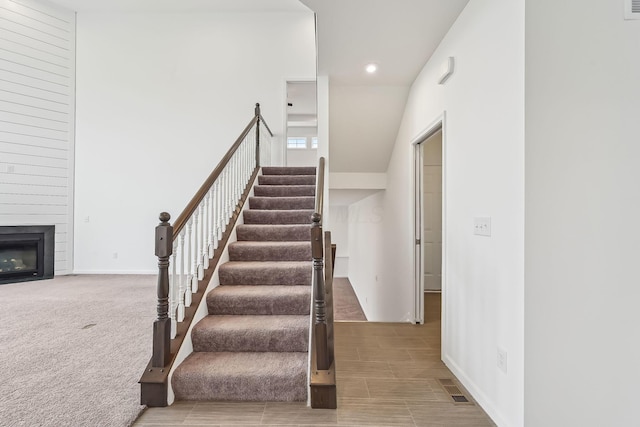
x=476, y=392
x=439, y=123
x=115, y=272
x=432, y=128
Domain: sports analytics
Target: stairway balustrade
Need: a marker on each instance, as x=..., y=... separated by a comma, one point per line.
x=187, y=250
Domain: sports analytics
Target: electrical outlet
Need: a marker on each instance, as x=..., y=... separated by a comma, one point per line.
x=482, y=226
x=501, y=361
x=87, y=219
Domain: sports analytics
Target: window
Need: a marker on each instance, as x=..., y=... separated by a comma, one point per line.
x=297, y=143
x=302, y=142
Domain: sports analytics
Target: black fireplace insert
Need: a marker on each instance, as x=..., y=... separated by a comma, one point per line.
x=26, y=253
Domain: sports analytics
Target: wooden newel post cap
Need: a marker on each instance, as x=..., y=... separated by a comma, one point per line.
x=164, y=236
x=316, y=217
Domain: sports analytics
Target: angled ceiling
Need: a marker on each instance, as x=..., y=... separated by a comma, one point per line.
x=366, y=109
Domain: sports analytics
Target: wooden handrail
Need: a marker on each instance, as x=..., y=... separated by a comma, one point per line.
x=183, y=218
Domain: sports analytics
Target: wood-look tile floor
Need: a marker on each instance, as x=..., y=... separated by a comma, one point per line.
x=387, y=375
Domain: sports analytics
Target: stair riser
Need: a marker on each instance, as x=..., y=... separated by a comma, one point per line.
x=286, y=180
x=265, y=276
x=268, y=203
x=277, y=216
x=251, y=340
x=288, y=170
x=276, y=252
x=260, y=389
x=292, y=233
x=297, y=305
x=284, y=190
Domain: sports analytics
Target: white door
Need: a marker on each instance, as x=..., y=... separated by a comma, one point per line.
x=432, y=220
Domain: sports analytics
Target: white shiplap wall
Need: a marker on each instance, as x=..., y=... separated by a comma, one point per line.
x=37, y=84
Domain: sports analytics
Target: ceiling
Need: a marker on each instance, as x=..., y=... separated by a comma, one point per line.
x=398, y=35
x=365, y=110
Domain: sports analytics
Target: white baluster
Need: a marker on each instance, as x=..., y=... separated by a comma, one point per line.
x=244, y=165
x=211, y=224
x=223, y=193
x=191, y=258
x=234, y=187
x=227, y=195
x=173, y=296
x=238, y=177
x=184, y=282
x=197, y=248
x=219, y=214
x=202, y=250
x=174, y=275
x=234, y=183
x=215, y=213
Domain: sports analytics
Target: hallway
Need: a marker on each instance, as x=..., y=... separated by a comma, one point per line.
x=387, y=376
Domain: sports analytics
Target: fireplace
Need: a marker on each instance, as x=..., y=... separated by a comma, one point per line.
x=26, y=253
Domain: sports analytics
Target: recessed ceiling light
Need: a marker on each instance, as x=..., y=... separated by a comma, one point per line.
x=371, y=68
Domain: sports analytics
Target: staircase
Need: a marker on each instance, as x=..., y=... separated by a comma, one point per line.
x=253, y=345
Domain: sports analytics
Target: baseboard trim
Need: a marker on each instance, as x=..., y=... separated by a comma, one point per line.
x=481, y=398
x=115, y=272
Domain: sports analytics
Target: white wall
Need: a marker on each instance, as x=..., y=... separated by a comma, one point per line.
x=302, y=157
x=339, y=219
x=37, y=45
x=483, y=304
x=366, y=219
x=582, y=210
x=160, y=98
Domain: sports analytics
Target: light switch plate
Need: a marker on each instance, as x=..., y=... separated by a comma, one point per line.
x=482, y=226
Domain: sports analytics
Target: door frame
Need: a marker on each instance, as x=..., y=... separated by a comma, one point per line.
x=438, y=124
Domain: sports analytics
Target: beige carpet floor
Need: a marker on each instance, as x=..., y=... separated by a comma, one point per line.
x=72, y=350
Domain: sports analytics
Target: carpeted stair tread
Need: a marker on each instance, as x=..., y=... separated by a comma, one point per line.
x=275, y=216
x=288, y=170
x=265, y=299
x=284, y=190
x=237, y=333
x=277, y=232
x=286, y=180
x=253, y=345
x=265, y=273
x=270, y=251
x=242, y=376
x=301, y=202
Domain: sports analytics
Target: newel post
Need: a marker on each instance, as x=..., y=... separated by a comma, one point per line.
x=162, y=326
x=257, y=114
x=320, y=305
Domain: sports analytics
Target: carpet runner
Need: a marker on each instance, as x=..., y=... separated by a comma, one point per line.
x=253, y=345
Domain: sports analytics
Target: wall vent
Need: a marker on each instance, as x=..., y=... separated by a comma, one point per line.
x=632, y=9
